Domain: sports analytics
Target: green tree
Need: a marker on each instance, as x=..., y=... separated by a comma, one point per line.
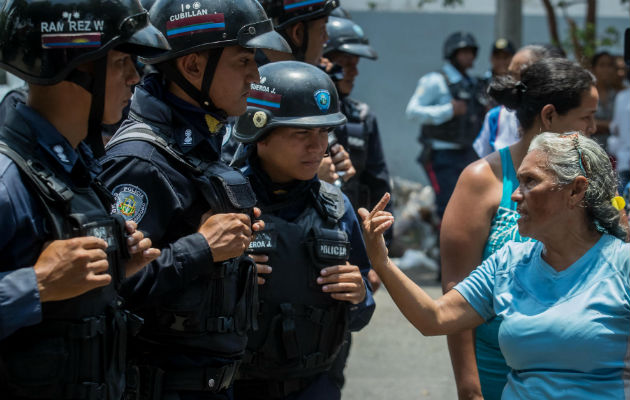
x=582, y=41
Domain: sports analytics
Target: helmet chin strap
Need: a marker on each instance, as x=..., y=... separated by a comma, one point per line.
x=94, y=83
x=200, y=96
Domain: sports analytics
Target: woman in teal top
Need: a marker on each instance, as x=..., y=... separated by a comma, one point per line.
x=553, y=95
x=564, y=299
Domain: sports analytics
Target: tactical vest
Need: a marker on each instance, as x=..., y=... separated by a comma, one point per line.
x=461, y=129
x=301, y=327
x=357, y=133
x=78, y=350
x=214, y=311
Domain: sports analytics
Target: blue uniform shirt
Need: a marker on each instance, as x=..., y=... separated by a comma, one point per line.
x=23, y=233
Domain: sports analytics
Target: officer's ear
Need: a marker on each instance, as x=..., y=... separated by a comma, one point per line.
x=295, y=33
x=192, y=67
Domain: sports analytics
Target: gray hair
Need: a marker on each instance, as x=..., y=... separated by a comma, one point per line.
x=572, y=154
x=537, y=52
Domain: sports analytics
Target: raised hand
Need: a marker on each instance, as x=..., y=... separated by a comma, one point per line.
x=375, y=223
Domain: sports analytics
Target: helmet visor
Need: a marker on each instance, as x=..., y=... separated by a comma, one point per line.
x=261, y=35
x=147, y=41
x=358, y=49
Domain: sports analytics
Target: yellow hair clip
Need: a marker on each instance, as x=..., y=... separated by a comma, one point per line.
x=618, y=202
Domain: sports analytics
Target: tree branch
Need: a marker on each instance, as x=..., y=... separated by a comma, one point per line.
x=552, y=22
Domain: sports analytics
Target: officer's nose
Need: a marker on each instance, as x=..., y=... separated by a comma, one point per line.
x=253, y=74
x=133, y=78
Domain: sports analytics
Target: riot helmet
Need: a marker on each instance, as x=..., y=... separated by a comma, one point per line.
x=286, y=13
x=347, y=37
x=289, y=12
x=457, y=41
x=43, y=42
x=290, y=93
x=201, y=25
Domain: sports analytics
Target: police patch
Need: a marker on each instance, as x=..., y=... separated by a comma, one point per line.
x=322, y=98
x=130, y=201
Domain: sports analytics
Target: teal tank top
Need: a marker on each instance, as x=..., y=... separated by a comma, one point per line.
x=504, y=226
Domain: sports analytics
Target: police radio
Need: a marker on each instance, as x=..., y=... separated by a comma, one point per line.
x=332, y=140
x=112, y=230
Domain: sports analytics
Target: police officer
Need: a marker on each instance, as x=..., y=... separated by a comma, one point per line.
x=198, y=298
x=303, y=25
x=346, y=45
x=60, y=247
x=312, y=261
x=449, y=106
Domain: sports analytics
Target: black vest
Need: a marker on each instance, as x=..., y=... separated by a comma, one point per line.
x=461, y=129
x=301, y=327
x=78, y=350
x=355, y=136
x=214, y=311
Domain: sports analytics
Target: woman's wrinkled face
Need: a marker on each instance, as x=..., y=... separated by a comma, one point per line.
x=541, y=202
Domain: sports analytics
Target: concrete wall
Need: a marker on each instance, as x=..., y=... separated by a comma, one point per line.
x=410, y=45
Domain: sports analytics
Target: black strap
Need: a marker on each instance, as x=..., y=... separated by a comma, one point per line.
x=170, y=71
x=289, y=334
x=95, y=128
x=50, y=191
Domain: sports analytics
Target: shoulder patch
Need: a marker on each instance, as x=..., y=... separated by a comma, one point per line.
x=130, y=201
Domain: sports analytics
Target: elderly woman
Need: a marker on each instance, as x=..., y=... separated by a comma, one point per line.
x=564, y=298
x=550, y=95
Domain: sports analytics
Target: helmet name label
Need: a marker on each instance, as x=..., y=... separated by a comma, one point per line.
x=72, y=23
x=191, y=22
x=72, y=26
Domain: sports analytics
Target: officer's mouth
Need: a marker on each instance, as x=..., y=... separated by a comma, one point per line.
x=311, y=163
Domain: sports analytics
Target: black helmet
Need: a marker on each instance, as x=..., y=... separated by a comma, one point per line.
x=43, y=41
x=346, y=36
x=290, y=93
x=203, y=24
x=289, y=12
x=457, y=41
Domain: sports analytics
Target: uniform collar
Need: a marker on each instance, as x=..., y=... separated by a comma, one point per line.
x=453, y=75
x=49, y=138
x=191, y=125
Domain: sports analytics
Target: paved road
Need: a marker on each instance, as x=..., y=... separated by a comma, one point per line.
x=391, y=360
